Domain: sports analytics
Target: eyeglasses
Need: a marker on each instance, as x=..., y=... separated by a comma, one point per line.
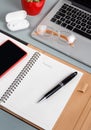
x=56, y=35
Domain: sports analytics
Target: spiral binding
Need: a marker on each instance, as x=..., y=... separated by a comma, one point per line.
x=20, y=77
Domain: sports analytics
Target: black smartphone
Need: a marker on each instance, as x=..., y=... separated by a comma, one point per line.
x=10, y=55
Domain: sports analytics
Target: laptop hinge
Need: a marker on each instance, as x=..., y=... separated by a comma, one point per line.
x=80, y=6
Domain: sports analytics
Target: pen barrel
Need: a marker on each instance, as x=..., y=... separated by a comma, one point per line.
x=54, y=90
x=68, y=78
x=60, y=85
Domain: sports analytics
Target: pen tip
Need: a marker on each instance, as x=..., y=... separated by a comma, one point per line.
x=38, y=101
x=41, y=99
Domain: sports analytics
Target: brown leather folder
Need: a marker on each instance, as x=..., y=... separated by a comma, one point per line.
x=77, y=112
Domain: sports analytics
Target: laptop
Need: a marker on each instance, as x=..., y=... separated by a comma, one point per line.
x=72, y=17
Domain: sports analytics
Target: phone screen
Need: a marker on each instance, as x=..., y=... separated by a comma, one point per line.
x=10, y=54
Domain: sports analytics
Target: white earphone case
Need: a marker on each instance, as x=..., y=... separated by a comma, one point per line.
x=17, y=20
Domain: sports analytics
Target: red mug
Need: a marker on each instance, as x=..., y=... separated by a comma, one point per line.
x=32, y=8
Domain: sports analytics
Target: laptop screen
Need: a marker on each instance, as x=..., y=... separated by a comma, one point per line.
x=86, y=3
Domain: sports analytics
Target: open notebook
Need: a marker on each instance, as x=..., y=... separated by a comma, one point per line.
x=24, y=85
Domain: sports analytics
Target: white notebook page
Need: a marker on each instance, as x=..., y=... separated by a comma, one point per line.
x=43, y=76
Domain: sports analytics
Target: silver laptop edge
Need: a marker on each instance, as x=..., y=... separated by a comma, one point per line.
x=82, y=48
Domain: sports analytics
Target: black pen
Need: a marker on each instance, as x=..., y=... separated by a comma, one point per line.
x=60, y=85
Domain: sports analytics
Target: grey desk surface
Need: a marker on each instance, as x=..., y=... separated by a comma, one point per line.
x=8, y=122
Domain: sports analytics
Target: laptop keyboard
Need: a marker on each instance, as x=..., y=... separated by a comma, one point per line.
x=73, y=19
